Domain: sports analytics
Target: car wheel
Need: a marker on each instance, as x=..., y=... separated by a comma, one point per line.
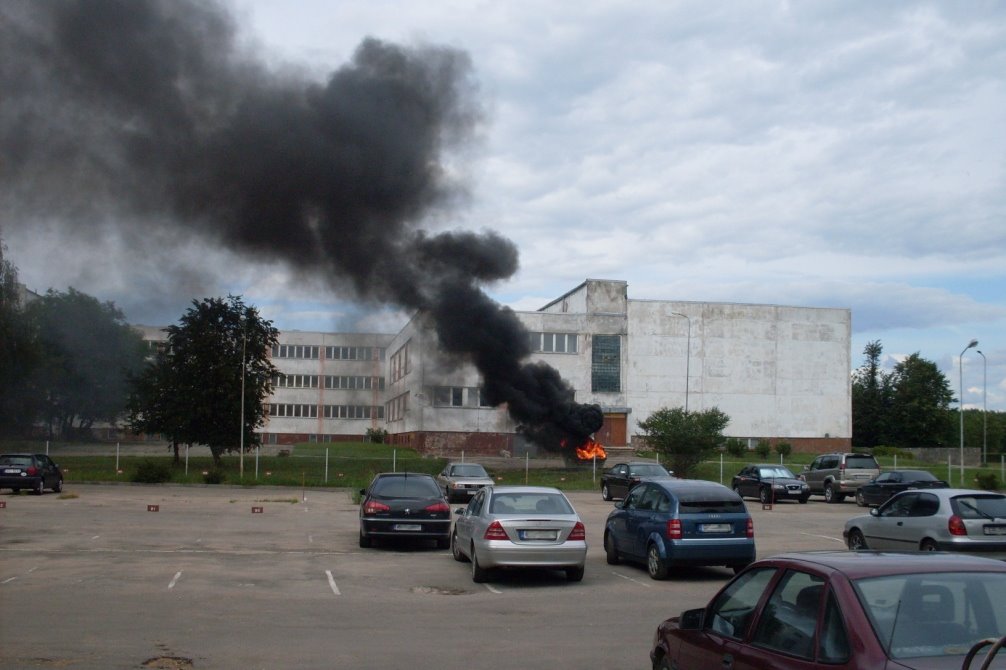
x=655, y=565
x=804, y=499
x=574, y=574
x=927, y=545
x=764, y=496
x=40, y=487
x=364, y=541
x=610, y=551
x=479, y=574
x=737, y=490
x=456, y=550
x=664, y=664
x=443, y=542
x=59, y=485
x=860, y=500
x=856, y=541
x=605, y=493
x=829, y=494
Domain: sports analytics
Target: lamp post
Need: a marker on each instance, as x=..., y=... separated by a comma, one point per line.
x=241, y=441
x=985, y=407
x=960, y=401
x=688, y=355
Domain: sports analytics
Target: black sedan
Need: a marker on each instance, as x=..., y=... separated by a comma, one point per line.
x=886, y=484
x=620, y=477
x=770, y=483
x=35, y=472
x=404, y=505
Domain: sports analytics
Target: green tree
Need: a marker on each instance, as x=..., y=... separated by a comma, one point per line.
x=870, y=399
x=18, y=354
x=685, y=438
x=920, y=403
x=87, y=354
x=193, y=391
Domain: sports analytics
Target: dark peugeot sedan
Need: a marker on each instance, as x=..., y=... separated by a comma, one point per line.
x=886, y=484
x=35, y=472
x=770, y=483
x=675, y=522
x=404, y=505
x=845, y=611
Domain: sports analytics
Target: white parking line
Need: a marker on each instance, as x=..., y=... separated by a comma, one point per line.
x=826, y=537
x=175, y=580
x=630, y=579
x=95, y=537
x=492, y=589
x=9, y=579
x=331, y=583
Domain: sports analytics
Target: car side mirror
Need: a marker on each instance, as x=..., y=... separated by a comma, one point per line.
x=459, y=511
x=874, y=511
x=363, y=492
x=692, y=619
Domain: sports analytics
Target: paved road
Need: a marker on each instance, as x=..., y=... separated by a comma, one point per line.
x=98, y=581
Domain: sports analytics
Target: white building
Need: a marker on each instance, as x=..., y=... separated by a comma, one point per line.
x=780, y=373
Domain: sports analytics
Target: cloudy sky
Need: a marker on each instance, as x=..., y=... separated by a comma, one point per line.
x=838, y=154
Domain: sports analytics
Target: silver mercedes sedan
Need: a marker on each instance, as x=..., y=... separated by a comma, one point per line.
x=961, y=520
x=519, y=527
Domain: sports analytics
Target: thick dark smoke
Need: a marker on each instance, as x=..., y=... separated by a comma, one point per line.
x=146, y=120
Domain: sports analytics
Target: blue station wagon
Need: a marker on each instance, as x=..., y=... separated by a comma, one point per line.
x=679, y=522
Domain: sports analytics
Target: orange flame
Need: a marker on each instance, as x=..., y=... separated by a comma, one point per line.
x=590, y=450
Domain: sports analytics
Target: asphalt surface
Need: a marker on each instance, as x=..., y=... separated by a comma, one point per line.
x=228, y=577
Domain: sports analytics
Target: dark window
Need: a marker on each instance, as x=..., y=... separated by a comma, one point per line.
x=606, y=364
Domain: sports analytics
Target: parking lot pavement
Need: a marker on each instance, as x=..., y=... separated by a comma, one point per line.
x=109, y=576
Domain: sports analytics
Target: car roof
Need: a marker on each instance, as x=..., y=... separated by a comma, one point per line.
x=692, y=486
x=402, y=474
x=953, y=493
x=767, y=465
x=859, y=564
x=514, y=488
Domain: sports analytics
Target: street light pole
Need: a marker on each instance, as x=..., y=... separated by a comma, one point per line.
x=960, y=400
x=985, y=407
x=241, y=442
x=688, y=355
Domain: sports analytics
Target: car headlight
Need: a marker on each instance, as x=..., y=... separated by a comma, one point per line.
x=779, y=487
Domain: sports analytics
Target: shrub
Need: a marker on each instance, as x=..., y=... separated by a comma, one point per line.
x=784, y=449
x=378, y=435
x=987, y=481
x=152, y=472
x=763, y=449
x=735, y=447
x=214, y=476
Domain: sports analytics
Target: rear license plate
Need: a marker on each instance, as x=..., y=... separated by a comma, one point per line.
x=408, y=526
x=995, y=530
x=11, y=472
x=538, y=534
x=714, y=527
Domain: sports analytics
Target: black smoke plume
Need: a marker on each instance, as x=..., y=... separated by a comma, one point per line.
x=149, y=121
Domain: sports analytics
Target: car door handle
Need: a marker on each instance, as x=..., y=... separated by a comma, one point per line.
x=728, y=661
x=901, y=523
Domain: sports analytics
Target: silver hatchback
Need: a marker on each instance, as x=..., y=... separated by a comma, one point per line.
x=960, y=520
x=520, y=527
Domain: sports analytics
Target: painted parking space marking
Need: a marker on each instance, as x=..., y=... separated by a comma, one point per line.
x=825, y=537
x=175, y=579
x=331, y=583
x=9, y=579
x=492, y=589
x=632, y=579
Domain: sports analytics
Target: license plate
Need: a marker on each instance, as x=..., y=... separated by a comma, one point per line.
x=995, y=530
x=408, y=526
x=11, y=472
x=715, y=527
x=538, y=534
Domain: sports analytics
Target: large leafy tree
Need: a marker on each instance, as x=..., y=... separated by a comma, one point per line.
x=88, y=352
x=920, y=403
x=684, y=438
x=217, y=354
x=18, y=354
x=870, y=399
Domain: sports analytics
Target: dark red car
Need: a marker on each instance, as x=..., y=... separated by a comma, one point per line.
x=844, y=611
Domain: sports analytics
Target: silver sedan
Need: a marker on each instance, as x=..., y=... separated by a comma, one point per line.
x=961, y=520
x=520, y=527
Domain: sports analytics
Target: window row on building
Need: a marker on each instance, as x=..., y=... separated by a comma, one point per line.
x=332, y=353
x=553, y=343
x=309, y=411
x=349, y=382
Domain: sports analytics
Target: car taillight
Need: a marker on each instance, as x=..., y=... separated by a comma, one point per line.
x=674, y=529
x=956, y=526
x=750, y=531
x=437, y=507
x=495, y=532
x=373, y=507
x=32, y=471
x=578, y=532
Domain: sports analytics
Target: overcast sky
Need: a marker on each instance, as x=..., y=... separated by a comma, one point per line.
x=833, y=154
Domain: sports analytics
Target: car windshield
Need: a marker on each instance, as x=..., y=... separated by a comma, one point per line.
x=769, y=473
x=990, y=506
x=934, y=614
x=469, y=470
x=530, y=503
x=406, y=487
x=861, y=462
x=649, y=470
x=917, y=476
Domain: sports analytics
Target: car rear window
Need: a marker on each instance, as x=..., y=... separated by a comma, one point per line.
x=406, y=487
x=530, y=503
x=863, y=462
x=710, y=505
x=980, y=506
x=15, y=460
